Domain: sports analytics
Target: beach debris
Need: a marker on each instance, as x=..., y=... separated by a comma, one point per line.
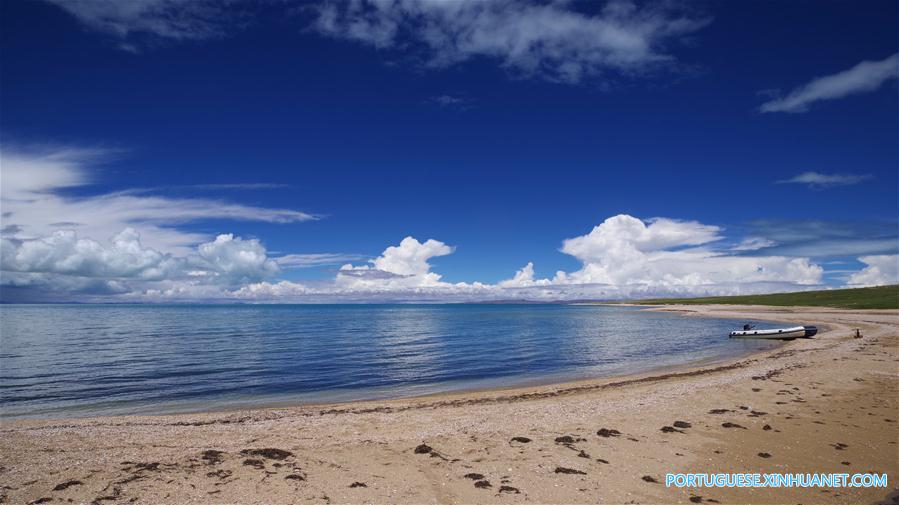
x=732, y=425
x=358, y=484
x=719, y=411
x=221, y=474
x=509, y=489
x=602, y=461
x=754, y=413
x=845, y=463
x=267, y=453
x=649, y=478
x=212, y=456
x=682, y=424
x=695, y=499
x=40, y=500
x=153, y=467
x=606, y=432
x=523, y=440
x=427, y=449
x=562, y=469
x=474, y=476
x=255, y=463
x=766, y=427
x=423, y=449
x=482, y=484
x=583, y=454
x=295, y=476
x=669, y=429
x=764, y=455
x=839, y=446
x=567, y=439
x=67, y=484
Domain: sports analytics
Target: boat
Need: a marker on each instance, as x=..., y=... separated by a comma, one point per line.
x=777, y=333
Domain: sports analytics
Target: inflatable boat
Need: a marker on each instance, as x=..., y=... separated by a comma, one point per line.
x=780, y=333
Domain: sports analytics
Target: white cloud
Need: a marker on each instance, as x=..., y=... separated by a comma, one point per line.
x=168, y=19
x=819, y=180
x=403, y=266
x=881, y=270
x=551, y=39
x=623, y=257
x=865, y=77
x=624, y=251
x=235, y=260
x=34, y=207
x=64, y=253
x=524, y=278
x=57, y=259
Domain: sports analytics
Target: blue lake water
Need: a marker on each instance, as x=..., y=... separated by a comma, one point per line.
x=76, y=360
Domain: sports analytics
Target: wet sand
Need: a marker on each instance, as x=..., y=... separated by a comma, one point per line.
x=824, y=405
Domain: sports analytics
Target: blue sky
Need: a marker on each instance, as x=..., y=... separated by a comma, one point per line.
x=530, y=124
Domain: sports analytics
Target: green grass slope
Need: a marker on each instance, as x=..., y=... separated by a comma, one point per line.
x=880, y=297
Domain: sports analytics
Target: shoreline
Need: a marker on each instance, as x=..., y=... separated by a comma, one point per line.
x=374, y=443
x=523, y=389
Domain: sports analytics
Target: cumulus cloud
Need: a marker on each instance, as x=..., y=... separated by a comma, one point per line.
x=818, y=180
x=234, y=260
x=547, y=39
x=34, y=205
x=865, y=77
x=406, y=265
x=524, y=278
x=623, y=257
x=880, y=270
x=62, y=256
x=64, y=253
x=662, y=253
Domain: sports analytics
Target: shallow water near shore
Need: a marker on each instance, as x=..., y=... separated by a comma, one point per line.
x=85, y=360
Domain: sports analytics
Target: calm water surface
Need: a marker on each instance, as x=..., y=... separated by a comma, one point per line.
x=74, y=360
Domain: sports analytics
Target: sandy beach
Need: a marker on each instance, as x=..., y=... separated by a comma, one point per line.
x=823, y=405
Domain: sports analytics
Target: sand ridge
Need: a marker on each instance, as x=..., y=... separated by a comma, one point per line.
x=829, y=404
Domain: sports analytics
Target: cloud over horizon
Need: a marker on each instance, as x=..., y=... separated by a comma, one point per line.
x=134, y=245
x=34, y=205
x=622, y=257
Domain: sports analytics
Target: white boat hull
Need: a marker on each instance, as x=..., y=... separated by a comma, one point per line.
x=777, y=333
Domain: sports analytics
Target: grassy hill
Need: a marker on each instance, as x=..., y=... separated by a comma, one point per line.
x=880, y=297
